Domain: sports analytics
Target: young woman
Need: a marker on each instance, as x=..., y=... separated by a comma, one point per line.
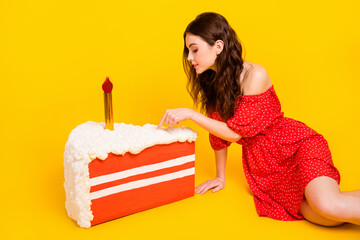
x=288, y=165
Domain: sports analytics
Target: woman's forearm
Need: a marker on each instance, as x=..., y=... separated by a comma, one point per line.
x=217, y=128
x=220, y=157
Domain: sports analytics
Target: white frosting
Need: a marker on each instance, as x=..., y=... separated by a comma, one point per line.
x=91, y=140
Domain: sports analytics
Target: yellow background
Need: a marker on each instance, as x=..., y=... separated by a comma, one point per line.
x=54, y=56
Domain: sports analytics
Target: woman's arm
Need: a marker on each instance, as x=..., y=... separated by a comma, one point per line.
x=217, y=128
x=220, y=157
x=219, y=182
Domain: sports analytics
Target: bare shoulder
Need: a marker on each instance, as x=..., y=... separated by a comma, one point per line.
x=256, y=81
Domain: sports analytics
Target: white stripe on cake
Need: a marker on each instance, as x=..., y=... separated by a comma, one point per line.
x=142, y=183
x=140, y=170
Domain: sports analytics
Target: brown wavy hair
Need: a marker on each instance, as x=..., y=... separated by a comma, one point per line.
x=215, y=90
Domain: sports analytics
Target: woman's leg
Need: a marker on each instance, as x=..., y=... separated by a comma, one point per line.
x=311, y=216
x=353, y=193
x=325, y=198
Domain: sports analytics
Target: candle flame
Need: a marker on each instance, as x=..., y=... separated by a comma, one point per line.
x=107, y=85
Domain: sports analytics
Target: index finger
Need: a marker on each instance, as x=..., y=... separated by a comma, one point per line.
x=162, y=121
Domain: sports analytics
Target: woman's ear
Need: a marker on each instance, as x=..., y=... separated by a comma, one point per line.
x=219, y=45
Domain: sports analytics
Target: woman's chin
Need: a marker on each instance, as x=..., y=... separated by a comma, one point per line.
x=199, y=70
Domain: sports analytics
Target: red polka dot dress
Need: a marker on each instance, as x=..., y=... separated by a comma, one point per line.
x=280, y=155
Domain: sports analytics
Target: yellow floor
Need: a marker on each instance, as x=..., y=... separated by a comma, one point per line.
x=34, y=207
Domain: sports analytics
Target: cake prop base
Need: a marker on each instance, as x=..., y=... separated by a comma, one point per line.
x=136, y=174
x=123, y=185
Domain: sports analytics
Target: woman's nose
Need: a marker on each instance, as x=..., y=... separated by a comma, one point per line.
x=189, y=58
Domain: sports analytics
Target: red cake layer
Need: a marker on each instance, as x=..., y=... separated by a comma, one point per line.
x=122, y=185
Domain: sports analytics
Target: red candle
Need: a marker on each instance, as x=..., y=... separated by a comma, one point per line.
x=107, y=87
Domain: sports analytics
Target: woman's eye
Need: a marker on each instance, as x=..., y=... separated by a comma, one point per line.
x=195, y=51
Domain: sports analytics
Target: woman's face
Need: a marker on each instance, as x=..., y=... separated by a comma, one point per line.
x=201, y=55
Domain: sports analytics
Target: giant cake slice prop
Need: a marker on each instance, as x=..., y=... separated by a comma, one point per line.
x=114, y=173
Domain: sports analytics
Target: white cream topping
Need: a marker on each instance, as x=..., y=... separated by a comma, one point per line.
x=91, y=140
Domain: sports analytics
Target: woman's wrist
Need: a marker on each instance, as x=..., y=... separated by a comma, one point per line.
x=222, y=177
x=192, y=114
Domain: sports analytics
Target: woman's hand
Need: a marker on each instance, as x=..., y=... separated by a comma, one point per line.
x=217, y=183
x=173, y=116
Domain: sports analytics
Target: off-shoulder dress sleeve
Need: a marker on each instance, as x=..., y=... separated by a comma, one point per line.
x=250, y=116
x=253, y=113
x=216, y=142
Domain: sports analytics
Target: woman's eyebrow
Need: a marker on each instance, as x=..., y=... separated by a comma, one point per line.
x=192, y=44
